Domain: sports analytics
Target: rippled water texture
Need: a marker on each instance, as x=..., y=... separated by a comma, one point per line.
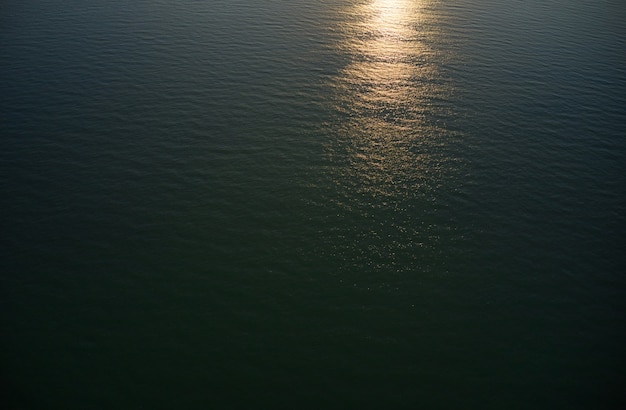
x=318, y=204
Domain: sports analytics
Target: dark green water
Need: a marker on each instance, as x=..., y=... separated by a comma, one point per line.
x=316, y=204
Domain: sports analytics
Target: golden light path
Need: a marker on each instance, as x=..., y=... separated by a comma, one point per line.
x=389, y=50
x=388, y=155
x=385, y=95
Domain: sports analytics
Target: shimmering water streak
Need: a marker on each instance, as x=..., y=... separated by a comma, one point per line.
x=390, y=144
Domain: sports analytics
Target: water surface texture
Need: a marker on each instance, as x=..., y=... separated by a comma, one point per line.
x=313, y=204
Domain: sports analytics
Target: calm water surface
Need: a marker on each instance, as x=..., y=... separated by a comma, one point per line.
x=319, y=204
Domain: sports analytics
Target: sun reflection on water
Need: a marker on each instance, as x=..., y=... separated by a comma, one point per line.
x=389, y=101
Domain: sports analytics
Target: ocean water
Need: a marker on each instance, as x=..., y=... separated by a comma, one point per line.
x=313, y=204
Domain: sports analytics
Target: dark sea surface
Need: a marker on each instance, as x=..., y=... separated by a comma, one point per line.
x=313, y=204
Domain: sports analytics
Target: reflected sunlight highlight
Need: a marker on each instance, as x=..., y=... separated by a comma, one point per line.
x=390, y=14
x=388, y=98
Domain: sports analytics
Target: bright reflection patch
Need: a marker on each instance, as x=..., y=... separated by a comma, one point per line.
x=387, y=96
